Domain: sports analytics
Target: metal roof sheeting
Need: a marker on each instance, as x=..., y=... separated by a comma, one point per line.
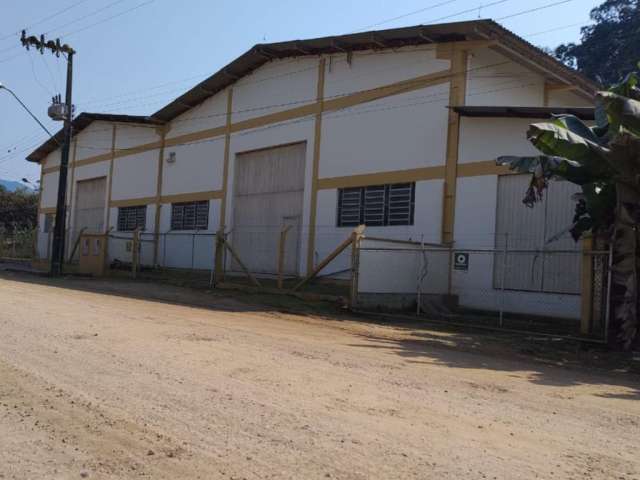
x=507, y=43
x=584, y=113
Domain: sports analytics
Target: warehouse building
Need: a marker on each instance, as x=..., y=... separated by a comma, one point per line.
x=396, y=129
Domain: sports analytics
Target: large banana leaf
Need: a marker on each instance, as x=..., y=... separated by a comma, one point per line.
x=556, y=140
x=623, y=113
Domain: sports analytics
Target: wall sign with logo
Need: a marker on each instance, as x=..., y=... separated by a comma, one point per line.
x=461, y=261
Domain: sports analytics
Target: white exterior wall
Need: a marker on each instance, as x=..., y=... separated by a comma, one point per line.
x=400, y=132
x=475, y=222
x=493, y=79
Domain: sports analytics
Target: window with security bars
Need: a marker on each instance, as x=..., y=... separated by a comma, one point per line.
x=130, y=218
x=190, y=215
x=377, y=206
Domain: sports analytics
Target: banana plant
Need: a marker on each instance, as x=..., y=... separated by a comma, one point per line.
x=604, y=160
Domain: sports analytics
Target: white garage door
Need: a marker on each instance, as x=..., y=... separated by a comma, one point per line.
x=268, y=194
x=90, y=202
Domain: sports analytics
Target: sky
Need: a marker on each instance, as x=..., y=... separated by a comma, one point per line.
x=134, y=56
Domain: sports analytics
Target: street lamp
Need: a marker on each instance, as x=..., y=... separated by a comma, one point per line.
x=4, y=87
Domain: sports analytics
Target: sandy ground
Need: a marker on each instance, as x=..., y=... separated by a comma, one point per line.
x=96, y=385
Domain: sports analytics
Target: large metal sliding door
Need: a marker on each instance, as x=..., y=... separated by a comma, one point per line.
x=268, y=194
x=89, y=208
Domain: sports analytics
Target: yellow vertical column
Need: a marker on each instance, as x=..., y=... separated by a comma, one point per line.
x=225, y=168
x=457, y=94
x=110, y=178
x=158, y=200
x=313, y=205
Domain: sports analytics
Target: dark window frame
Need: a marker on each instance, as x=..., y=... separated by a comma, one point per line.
x=130, y=218
x=190, y=215
x=387, y=205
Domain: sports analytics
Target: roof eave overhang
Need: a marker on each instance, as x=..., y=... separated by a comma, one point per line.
x=81, y=122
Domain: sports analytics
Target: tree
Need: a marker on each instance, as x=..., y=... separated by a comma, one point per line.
x=608, y=48
x=18, y=209
x=605, y=161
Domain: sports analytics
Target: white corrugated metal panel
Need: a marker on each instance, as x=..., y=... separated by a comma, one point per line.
x=562, y=270
x=89, y=207
x=523, y=229
x=529, y=229
x=90, y=200
x=269, y=188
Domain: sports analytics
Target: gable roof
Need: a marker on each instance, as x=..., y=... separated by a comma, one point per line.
x=506, y=43
x=81, y=122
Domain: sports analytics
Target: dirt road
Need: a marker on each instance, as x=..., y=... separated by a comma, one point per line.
x=94, y=385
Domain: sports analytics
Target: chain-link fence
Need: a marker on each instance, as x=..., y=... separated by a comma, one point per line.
x=548, y=291
x=17, y=243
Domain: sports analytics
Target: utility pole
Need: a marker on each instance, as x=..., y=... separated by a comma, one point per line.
x=58, y=111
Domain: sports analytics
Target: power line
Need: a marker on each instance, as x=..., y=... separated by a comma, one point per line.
x=469, y=10
x=108, y=18
x=408, y=14
x=82, y=29
x=532, y=10
x=562, y=27
x=46, y=19
x=90, y=14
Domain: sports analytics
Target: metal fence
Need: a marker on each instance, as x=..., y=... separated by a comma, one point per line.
x=546, y=290
x=18, y=243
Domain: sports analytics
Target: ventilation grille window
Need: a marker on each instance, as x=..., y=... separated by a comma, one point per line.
x=130, y=218
x=190, y=215
x=377, y=206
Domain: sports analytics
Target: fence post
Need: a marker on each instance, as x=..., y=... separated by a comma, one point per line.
x=193, y=249
x=503, y=278
x=355, y=265
x=219, y=259
x=281, y=251
x=135, y=253
x=587, y=286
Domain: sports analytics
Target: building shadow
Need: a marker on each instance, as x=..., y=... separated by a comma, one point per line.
x=545, y=361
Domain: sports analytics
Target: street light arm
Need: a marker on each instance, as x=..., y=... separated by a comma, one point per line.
x=3, y=87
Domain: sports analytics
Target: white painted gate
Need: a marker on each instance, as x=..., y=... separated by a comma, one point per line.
x=89, y=208
x=268, y=194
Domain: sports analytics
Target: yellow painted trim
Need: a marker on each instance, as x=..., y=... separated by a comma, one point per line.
x=445, y=51
x=586, y=297
x=156, y=222
x=47, y=210
x=196, y=136
x=477, y=169
x=334, y=104
x=192, y=197
x=50, y=169
x=110, y=177
x=317, y=138
x=378, y=93
x=457, y=94
x=382, y=178
x=225, y=167
x=132, y=202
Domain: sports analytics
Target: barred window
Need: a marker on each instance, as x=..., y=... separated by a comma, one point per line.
x=377, y=206
x=190, y=215
x=130, y=218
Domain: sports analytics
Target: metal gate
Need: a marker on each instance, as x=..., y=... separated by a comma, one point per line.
x=89, y=208
x=268, y=194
